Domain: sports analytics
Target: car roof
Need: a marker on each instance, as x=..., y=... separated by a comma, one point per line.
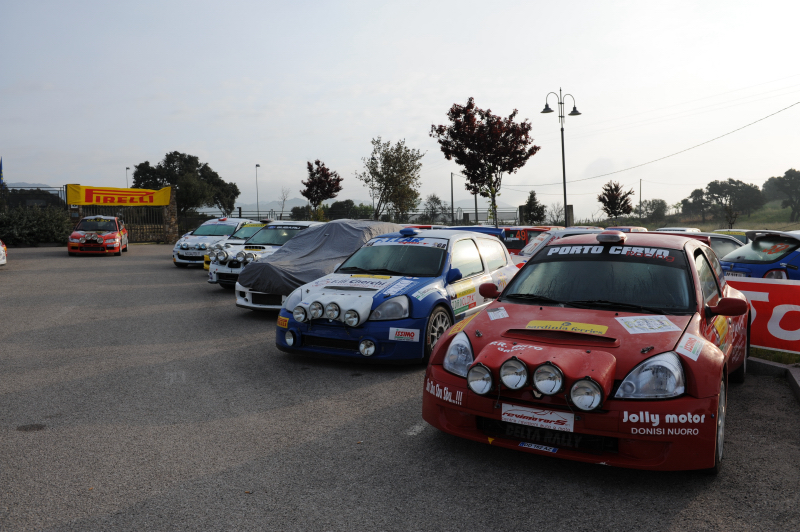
x=649, y=239
x=99, y=216
x=223, y=220
x=684, y=229
x=701, y=233
x=557, y=232
x=302, y=223
x=449, y=234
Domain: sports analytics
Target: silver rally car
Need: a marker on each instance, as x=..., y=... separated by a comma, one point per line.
x=228, y=261
x=192, y=247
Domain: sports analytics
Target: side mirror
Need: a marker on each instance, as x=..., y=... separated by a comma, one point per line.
x=489, y=291
x=729, y=306
x=453, y=275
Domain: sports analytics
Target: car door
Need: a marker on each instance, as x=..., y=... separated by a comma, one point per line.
x=715, y=329
x=463, y=294
x=498, y=262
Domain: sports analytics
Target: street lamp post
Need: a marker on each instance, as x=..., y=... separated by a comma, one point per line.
x=574, y=112
x=126, y=176
x=258, y=208
x=452, y=208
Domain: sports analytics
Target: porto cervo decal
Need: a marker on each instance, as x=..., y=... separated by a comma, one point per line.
x=567, y=326
x=80, y=195
x=283, y=322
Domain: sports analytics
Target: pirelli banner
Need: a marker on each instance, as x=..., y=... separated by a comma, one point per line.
x=774, y=312
x=129, y=197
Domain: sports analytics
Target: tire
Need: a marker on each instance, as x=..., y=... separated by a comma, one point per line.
x=722, y=410
x=438, y=322
x=227, y=286
x=180, y=264
x=126, y=247
x=740, y=374
x=118, y=253
x=71, y=254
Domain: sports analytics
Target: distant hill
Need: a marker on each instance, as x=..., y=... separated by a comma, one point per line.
x=21, y=184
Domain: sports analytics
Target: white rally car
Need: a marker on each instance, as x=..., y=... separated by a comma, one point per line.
x=227, y=262
x=191, y=247
x=237, y=238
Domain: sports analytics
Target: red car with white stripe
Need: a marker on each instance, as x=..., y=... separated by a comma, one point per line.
x=98, y=235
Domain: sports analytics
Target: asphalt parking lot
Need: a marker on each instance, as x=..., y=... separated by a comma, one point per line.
x=135, y=396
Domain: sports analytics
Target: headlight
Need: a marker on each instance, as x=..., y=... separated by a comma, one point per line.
x=548, y=379
x=74, y=240
x=202, y=246
x=351, y=318
x=391, y=309
x=657, y=377
x=366, y=348
x=289, y=337
x=459, y=355
x=479, y=379
x=514, y=373
x=82, y=239
x=299, y=314
x=184, y=245
x=240, y=256
x=293, y=300
x=316, y=310
x=222, y=256
x=332, y=311
x=586, y=394
x=249, y=257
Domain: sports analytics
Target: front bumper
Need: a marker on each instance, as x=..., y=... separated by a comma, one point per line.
x=246, y=298
x=222, y=274
x=180, y=256
x=607, y=437
x=88, y=249
x=333, y=338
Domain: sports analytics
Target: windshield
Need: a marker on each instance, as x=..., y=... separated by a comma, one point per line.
x=723, y=246
x=96, y=224
x=247, y=230
x=275, y=235
x=650, y=280
x=413, y=257
x=214, y=230
x=768, y=248
x=535, y=243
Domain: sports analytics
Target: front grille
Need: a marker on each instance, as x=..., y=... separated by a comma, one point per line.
x=232, y=277
x=187, y=257
x=87, y=248
x=267, y=299
x=335, y=343
x=254, y=248
x=588, y=443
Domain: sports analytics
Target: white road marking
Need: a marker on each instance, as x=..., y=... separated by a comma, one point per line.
x=416, y=429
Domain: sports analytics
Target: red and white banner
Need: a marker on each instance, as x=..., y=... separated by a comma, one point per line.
x=775, y=312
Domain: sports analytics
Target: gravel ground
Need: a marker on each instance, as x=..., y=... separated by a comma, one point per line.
x=135, y=396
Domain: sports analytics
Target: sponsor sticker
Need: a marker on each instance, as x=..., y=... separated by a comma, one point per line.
x=368, y=276
x=405, y=241
x=647, y=324
x=404, y=335
x=538, y=447
x=657, y=425
x=567, y=326
x=398, y=287
x=464, y=298
x=690, y=346
x=539, y=417
x=445, y=394
x=424, y=292
x=283, y=322
x=511, y=348
x=721, y=326
x=458, y=327
x=497, y=313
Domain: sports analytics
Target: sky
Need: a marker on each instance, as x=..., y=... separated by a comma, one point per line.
x=89, y=88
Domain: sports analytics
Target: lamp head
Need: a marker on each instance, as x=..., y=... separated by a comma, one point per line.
x=547, y=108
x=574, y=111
x=258, y=166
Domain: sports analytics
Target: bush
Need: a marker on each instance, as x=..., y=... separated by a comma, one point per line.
x=29, y=226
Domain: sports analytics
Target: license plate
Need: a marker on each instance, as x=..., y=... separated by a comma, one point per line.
x=539, y=417
x=735, y=274
x=194, y=253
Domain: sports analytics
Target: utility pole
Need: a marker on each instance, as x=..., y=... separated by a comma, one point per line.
x=452, y=207
x=640, y=200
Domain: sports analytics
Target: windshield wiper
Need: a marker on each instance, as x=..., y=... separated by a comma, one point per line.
x=354, y=269
x=617, y=304
x=534, y=297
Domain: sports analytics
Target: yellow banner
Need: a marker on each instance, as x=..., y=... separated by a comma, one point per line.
x=133, y=197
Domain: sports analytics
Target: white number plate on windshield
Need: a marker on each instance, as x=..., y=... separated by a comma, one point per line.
x=194, y=253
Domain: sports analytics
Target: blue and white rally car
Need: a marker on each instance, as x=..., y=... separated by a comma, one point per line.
x=394, y=297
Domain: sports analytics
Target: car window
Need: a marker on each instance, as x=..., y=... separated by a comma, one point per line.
x=707, y=282
x=722, y=246
x=492, y=253
x=764, y=249
x=717, y=267
x=533, y=244
x=466, y=258
x=214, y=230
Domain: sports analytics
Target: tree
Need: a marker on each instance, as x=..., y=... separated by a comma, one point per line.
x=194, y=184
x=322, y=184
x=555, y=214
x=654, y=210
x=695, y=204
x=770, y=190
x=285, y=191
x=434, y=208
x=341, y=209
x=615, y=201
x=789, y=184
x=734, y=196
x=301, y=212
x=391, y=174
x=486, y=146
x=534, y=212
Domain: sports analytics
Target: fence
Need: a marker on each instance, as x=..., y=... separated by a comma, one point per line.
x=13, y=197
x=145, y=224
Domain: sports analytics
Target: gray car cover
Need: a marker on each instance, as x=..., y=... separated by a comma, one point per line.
x=312, y=254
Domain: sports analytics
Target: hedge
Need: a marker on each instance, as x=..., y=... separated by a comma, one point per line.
x=30, y=226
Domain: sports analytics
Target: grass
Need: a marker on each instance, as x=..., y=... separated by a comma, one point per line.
x=775, y=356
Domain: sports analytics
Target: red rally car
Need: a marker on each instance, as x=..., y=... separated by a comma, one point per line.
x=101, y=235
x=608, y=348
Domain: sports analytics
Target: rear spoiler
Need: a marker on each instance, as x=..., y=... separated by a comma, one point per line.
x=751, y=235
x=493, y=231
x=702, y=238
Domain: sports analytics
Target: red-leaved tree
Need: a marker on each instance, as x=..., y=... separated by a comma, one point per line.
x=486, y=146
x=322, y=184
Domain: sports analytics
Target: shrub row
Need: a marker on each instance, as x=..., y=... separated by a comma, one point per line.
x=29, y=226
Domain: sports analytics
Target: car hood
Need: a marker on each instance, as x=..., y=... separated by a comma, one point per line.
x=361, y=292
x=78, y=234
x=628, y=337
x=192, y=240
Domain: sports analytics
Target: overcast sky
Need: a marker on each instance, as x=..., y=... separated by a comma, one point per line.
x=88, y=88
